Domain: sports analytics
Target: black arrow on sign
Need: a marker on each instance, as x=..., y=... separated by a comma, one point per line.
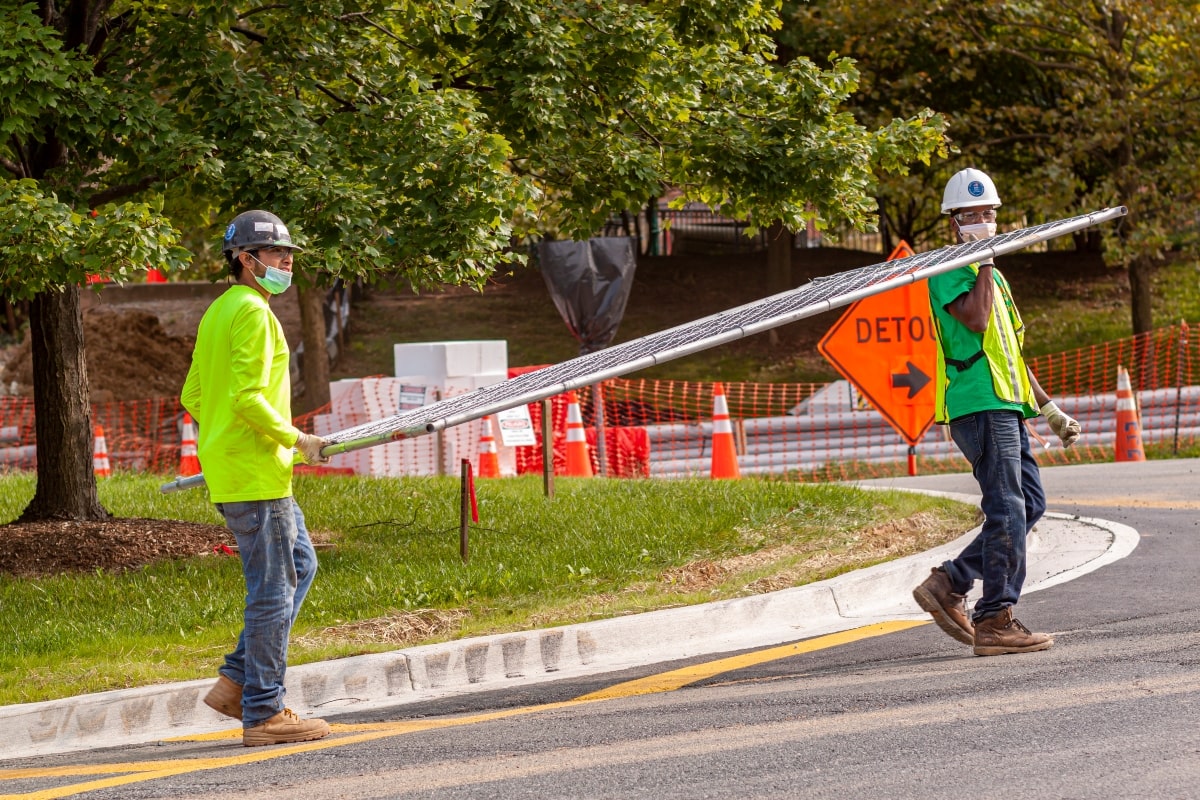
x=914, y=379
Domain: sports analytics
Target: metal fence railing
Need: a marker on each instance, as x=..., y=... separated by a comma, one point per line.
x=695, y=229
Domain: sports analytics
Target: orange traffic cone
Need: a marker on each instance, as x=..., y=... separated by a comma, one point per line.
x=1129, y=429
x=100, y=464
x=579, y=460
x=189, y=463
x=724, y=451
x=489, y=459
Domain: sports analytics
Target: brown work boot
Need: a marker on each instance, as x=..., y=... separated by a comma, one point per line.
x=285, y=727
x=949, y=609
x=226, y=697
x=1002, y=634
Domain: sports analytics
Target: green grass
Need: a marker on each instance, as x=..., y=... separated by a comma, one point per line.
x=599, y=548
x=1085, y=315
x=522, y=314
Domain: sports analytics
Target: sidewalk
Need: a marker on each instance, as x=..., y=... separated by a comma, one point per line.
x=1061, y=548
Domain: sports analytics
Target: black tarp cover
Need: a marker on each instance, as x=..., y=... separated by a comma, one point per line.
x=589, y=283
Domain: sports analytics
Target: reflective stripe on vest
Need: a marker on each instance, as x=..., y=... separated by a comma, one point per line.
x=1002, y=342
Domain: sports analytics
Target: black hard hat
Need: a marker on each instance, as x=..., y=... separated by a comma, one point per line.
x=251, y=230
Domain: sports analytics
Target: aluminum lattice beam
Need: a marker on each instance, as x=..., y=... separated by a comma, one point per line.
x=815, y=297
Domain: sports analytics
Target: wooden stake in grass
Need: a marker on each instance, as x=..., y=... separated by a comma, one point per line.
x=547, y=450
x=468, y=507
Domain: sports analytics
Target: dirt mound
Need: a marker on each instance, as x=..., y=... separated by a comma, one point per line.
x=129, y=357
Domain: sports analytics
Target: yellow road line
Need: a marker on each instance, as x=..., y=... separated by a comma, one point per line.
x=669, y=681
x=140, y=771
x=1127, y=502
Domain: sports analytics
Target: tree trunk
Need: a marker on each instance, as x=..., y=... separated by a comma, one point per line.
x=315, y=363
x=1141, y=294
x=885, y=234
x=1088, y=241
x=66, y=484
x=780, y=243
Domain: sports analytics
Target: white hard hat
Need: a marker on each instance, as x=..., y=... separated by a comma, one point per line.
x=970, y=187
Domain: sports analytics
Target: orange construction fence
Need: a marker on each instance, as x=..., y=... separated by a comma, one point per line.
x=803, y=431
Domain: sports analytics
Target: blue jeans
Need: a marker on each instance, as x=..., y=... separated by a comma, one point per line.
x=997, y=445
x=279, y=564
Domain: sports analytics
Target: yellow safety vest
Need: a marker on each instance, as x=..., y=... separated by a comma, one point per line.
x=1002, y=342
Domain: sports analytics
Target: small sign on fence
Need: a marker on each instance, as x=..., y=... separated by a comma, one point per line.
x=413, y=397
x=516, y=427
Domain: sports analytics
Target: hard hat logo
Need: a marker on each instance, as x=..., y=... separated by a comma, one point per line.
x=975, y=188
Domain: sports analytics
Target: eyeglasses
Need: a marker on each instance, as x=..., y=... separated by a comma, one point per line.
x=972, y=217
x=279, y=252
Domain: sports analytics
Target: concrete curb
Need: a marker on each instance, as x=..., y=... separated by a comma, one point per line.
x=1061, y=548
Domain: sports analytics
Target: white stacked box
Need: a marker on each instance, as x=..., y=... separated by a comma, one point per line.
x=454, y=368
x=359, y=400
x=445, y=369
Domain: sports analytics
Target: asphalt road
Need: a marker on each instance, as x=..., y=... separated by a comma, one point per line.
x=1109, y=712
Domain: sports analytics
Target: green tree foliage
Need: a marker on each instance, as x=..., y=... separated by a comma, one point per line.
x=412, y=139
x=1071, y=105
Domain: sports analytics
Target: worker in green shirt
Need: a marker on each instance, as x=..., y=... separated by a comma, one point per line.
x=238, y=390
x=985, y=392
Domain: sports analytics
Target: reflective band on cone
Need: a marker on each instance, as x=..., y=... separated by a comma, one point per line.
x=189, y=463
x=724, y=451
x=1129, y=428
x=489, y=459
x=100, y=464
x=579, y=460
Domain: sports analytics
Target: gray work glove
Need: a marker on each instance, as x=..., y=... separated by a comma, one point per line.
x=1063, y=426
x=310, y=448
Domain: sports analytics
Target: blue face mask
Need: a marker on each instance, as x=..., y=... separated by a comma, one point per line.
x=275, y=281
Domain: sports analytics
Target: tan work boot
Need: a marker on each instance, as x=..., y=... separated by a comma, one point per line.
x=948, y=608
x=1001, y=634
x=226, y=697
x=285, y=727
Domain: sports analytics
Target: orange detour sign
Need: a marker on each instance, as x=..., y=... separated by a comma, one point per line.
x=884, y=345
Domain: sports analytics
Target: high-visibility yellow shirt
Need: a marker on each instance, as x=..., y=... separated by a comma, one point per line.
x=239, y=392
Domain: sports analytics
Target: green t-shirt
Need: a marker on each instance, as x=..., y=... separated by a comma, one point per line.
x=239, y=391
x=962, y=392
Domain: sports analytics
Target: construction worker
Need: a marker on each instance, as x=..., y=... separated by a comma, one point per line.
x=985, y=392
x=239, y=391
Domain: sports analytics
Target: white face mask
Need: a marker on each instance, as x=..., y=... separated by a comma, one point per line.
x=275, y=281
x=980, y=230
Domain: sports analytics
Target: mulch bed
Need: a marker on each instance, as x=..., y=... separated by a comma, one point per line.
x=39, y=549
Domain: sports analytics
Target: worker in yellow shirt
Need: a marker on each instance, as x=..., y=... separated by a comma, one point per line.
x=238, y=390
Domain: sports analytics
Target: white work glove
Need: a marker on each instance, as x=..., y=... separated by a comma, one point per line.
x=310, y=448
x=1063, y=426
